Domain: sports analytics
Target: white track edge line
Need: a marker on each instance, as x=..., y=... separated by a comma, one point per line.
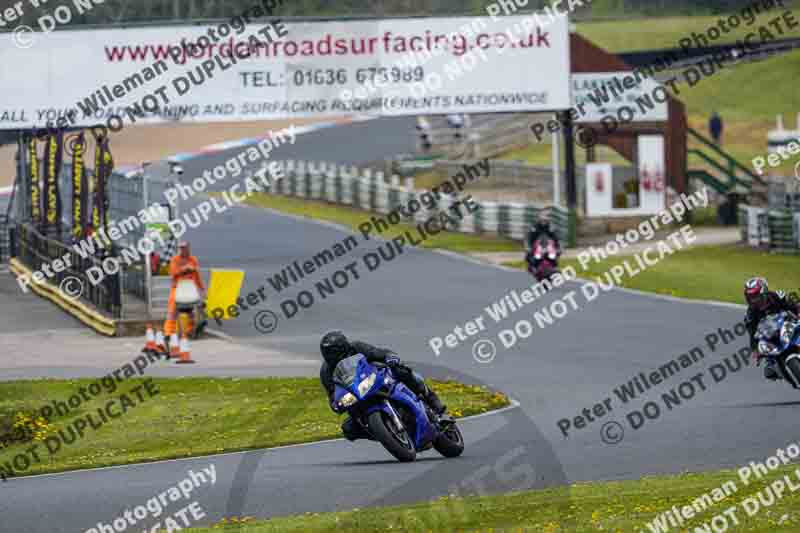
x=513, y=405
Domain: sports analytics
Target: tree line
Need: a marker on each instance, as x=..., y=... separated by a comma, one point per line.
x=172, y=11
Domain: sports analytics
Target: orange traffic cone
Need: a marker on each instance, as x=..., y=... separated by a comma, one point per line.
x=150, y=340
x=174, y=347
x=184, y=353
x=161, y=349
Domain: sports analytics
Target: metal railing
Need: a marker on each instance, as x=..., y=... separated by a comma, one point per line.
x=36, y=251
x=5, y=240
x=736, y=172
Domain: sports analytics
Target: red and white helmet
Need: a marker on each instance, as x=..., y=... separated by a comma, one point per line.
x=756, y=293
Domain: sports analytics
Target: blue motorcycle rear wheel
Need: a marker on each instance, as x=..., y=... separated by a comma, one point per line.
x=793, y=366
x=396, y=440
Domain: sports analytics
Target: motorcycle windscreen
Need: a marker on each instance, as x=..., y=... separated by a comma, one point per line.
x=790, y=331
x=770, y=327
x=346, y=371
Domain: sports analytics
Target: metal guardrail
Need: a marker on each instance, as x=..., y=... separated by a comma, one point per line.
x=5, y=239
x=343, y=185
x=35, y=250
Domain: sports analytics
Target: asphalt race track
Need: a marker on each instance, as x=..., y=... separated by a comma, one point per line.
x=555, y=373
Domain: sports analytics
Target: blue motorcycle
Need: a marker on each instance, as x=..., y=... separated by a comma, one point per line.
x=387, y=411
x=778, y=339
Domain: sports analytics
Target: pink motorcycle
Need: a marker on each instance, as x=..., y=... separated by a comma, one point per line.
x=543, y=259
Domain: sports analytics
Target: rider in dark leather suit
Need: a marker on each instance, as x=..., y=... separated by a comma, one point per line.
x=762, y=302
x=335, y=347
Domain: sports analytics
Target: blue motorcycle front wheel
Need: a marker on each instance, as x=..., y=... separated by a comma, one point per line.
x=449, y=443
x=396, y=440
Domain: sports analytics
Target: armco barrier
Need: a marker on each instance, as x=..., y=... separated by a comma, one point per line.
x=782, y=236
x=776, y=229
x=369, y=191
x=784, y=194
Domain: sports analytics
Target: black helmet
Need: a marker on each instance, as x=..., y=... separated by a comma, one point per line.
x=334, y=346
x=542, y=220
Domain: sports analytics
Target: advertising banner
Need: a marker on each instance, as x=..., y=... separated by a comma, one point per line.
x=607, y=94
x=35, y=192
x=52, y=196
x=108, y=169
x=79, y=185
x=98, y=201
x=382, y=67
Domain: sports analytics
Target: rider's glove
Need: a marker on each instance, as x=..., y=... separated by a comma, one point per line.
x=336, y=407
x=392, y=360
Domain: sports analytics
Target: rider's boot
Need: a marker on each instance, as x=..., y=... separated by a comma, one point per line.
x=770, y=372
x=433, y=401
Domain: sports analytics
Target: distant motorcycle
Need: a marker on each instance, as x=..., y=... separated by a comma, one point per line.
x=543, y=259
x=390, y=413
x=778, y=339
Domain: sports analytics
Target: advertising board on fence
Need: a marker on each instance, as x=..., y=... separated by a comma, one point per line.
x=601, y=94
x=467, y=65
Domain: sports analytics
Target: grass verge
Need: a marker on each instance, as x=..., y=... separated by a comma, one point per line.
x=542, y=154
x=352, y=218
x=702, y=273
x=190, y=417
x=666, y=32
x=737, y=94
x=586, y=507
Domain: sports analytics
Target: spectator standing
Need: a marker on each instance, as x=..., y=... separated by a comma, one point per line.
x=184, y=266
x=456, y=122
x=424, y=129
x=715, y=127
